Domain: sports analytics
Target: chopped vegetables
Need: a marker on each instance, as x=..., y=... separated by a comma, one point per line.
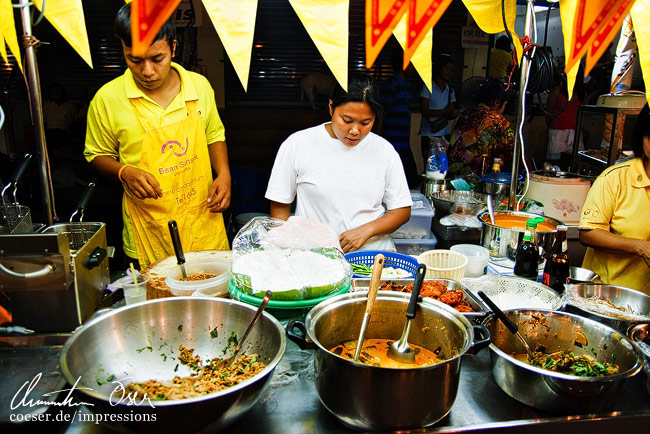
x=386, y=273
x=568, y=363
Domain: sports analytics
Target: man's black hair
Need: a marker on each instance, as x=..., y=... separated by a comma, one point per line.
x=641, y=131
x=123, y=27
x=503, y=43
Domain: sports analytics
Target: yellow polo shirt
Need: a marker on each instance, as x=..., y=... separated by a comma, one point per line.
x=114, y=130
x=619, y=202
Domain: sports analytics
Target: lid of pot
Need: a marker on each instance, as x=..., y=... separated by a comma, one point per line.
x=499, y=177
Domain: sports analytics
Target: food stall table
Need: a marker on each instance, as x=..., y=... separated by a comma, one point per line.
x=290, y=404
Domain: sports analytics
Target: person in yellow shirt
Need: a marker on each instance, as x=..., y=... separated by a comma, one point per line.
x=614, y=221
x=156, y=128
x=500, y=58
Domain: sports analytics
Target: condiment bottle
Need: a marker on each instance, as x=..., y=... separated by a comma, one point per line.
x=556, y=270
x=496, y=165
x=527, y=257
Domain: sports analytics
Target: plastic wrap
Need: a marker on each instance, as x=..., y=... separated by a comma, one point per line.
x=297, y=259
x=603, y=307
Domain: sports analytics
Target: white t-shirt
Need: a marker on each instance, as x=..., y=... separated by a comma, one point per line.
x=339, y=185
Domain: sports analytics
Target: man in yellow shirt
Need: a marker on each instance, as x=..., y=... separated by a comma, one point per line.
x=156, y=128
x=614, y=221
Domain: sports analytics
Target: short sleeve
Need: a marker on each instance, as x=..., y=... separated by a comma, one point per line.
x=598, y=208
x=424, y=92
x=453, y=95
x=283, y=180
x=397, y=193
x=214, y=129
x=100, y=140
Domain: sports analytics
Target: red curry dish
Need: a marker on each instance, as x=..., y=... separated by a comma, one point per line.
x=437, y=291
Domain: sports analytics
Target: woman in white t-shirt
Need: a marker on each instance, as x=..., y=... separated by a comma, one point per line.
x=344, y=175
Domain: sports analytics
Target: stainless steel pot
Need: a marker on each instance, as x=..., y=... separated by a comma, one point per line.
x=430, y=186
x=372, y=398
x=140, y=342
x=555, y=392
x=502, y=242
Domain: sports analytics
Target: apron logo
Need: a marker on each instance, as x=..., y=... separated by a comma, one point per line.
x=171, y=144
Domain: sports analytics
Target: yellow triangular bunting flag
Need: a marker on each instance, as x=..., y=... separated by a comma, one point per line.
x=488, y=16
x=234, y=21
x=326, y=22
x=421, y=58
x=67, y=16
x=8, y=30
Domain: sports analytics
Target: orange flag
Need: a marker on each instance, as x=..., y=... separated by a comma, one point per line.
x=423, y=15
x=147, y=17
x=381, y=18
x=582, y=25
x=606, y=35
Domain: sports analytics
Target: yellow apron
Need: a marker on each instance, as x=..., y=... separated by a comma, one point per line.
x=177, y=155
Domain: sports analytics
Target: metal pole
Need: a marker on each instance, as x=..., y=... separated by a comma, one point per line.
x=523, y=74
x=36, y=108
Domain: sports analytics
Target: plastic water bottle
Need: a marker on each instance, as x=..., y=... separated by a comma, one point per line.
x=437, y=163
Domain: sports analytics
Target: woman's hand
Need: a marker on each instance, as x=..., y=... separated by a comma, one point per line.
x=354, y=239
x=219, y=194
x=141, y=183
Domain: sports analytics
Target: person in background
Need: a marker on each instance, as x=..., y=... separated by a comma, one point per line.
x=501, y=62
x=437, y=106
x=482, y=134
x=342, y=174
x=58, y=112
x=613, y=224
x=562, y=118
x=394, y=126
x=157, y=130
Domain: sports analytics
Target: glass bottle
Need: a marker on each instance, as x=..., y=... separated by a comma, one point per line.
x=496, y=165
x=556, y=270
x=527, y=258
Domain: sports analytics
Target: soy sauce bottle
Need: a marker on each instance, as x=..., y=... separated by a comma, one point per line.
x=527, y=257
x=556, y=270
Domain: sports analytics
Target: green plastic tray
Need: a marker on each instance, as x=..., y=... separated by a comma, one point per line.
x=238, y=294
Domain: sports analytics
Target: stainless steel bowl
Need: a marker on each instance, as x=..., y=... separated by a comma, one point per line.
x=582, y=275
x=555, y=392
x=444, y=201
x=431, y=186
x=502, y=242
x=638, y=302
x=372, y=398
x=140, y=342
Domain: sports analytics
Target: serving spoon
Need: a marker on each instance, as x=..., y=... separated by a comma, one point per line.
x=227, y=362
x=377, y=267
x=511, y=326
x=400, y=351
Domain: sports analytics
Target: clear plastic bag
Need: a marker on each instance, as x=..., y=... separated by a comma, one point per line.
x=297, y=259
x=437, y=163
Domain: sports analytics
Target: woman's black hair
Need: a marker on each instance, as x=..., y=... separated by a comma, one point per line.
x=440, y=61
x=641, y=131
x=490, y=91
x=362, y=88
x=123, y=27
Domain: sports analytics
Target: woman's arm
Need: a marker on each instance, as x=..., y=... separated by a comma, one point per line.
x=429, y=113
x=612, y=243
x=355, y=238
x=280, y=211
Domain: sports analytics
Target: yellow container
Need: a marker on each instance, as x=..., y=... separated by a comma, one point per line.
x=443, y=264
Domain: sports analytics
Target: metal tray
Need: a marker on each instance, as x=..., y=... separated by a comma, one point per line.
x=480, y=310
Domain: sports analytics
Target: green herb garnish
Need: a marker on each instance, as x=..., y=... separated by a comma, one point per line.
x=214, y=333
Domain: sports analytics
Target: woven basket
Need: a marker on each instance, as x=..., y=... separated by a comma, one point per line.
x=509, y=292
x=443, y=264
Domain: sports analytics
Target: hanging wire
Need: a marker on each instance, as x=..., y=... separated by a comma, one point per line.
x=40, y=17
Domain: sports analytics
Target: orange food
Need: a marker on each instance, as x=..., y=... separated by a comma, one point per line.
x=199, y=276
x=437, y=291
x=375, y=352
x=519, y=223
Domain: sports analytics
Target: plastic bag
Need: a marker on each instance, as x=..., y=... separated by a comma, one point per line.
x=610, y=308
x=297, y=259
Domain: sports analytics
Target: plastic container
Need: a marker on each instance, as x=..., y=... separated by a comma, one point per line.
x=214, y=286
x=396, y=260
x=419, y=225
x=477, y=258
x=415, y=247
x=443, y=264
x=135, y=292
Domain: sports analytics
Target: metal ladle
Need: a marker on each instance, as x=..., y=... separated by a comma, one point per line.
x=490, y=207
x=511, y=326
x=400, y=351
x=377, y=267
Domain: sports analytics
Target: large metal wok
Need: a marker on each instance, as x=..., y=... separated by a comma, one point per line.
x=140, y=342
x=556, y=392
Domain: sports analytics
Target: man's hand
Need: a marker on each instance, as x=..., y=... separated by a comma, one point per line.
x=219, y=194
x=141, y=183
x=354, y=239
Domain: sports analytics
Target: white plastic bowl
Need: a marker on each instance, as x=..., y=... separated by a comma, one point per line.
x=477, y=258
x=213, y=287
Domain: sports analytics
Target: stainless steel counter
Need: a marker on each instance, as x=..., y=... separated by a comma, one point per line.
x=290, y=404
